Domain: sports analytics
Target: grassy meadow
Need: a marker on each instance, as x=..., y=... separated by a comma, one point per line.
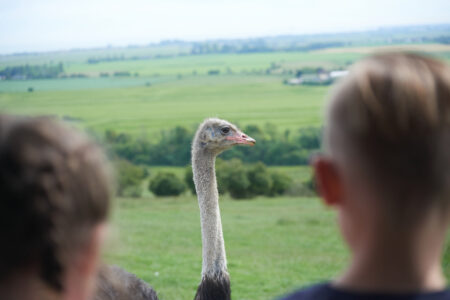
x=273, y=244
x=177, y=90
x=147, y=110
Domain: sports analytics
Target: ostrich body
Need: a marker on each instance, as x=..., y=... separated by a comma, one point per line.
x=212, y=137
x=114, y=283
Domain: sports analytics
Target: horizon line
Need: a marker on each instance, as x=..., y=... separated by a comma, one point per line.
x=216, y=39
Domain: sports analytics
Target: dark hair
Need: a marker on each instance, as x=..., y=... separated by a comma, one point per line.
x=391, y=116
x=54, y=188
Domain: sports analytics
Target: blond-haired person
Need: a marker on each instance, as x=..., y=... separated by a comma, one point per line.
x=386, y=171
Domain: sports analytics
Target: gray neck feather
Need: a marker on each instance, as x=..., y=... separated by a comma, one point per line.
x=214, y=262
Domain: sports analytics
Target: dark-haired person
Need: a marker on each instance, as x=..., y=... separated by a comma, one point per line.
x=54, y=200
x=386, y=171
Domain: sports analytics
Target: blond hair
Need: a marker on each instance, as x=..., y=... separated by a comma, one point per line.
x=391, y=117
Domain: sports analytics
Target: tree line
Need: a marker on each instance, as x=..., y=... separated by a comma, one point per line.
x=173, y=147
x=134, y=156
x=32, y=71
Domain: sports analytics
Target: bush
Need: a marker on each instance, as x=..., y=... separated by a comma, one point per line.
x=260, y=180
x=232, y=177
x=166, y=184
x=280, y=184
x=311, y=184
x=129, y=178
x=304, y=189
x=310, y=138
x=246, y=181
x=242, y=181
x=213, y=72
x=189, y=179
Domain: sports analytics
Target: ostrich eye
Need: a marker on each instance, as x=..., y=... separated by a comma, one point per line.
x=225, y=130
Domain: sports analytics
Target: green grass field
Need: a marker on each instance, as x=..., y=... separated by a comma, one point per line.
x=147, y=110
x=241, y=93
x=237, y=63
x=270, y=245
x=273, y=245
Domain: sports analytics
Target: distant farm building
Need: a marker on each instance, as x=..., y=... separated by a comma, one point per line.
x=338, y=74
x=320, y=78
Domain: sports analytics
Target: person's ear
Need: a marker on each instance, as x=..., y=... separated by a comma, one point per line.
x=328, y=180
x=92, y=250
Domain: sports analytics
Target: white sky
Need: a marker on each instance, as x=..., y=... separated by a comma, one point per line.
x=40, y=25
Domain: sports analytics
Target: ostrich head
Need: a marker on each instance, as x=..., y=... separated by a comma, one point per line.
x=215, y=135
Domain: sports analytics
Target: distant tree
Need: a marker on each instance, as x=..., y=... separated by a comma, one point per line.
x=280, y=183
x=173, y=147
x=286, y=135
x=32, y=71
x=129, y=178
x=30, y=89
x=232, y=177
x=122, y=74
x=260, y=180
x=213, y=72
x=309, y=138
x=166, y=184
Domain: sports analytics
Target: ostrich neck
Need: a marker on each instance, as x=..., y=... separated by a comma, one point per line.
x=214, y=260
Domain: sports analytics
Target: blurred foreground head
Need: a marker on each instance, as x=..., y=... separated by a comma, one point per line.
x=387, y=171
x=55, y=192
x=388, y=127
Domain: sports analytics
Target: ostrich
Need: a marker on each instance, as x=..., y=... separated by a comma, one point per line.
x=212, y=137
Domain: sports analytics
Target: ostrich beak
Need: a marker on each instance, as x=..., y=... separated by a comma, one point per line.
x=243, y=139
x=248, y=140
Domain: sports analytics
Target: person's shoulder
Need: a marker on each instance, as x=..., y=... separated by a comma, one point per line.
x=324, y=291
x=317, y=291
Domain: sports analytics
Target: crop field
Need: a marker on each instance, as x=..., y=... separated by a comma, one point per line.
x=177, y=90
x=225, y=63
x=147, y=110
